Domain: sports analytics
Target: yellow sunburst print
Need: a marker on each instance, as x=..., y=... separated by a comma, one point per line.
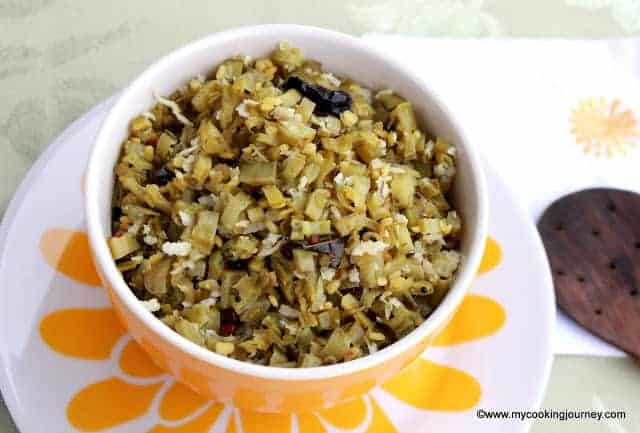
x=603, y=128
x=139, y=387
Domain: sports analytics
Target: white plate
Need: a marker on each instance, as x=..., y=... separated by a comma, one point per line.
x=66, y=366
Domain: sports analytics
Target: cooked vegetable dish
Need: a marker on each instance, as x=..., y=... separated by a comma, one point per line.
x=276, y=214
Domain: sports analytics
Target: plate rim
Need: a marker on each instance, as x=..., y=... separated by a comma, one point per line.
x=6, y=387
x=550, y=307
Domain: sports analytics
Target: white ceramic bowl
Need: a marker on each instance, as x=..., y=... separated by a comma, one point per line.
x=244, y=384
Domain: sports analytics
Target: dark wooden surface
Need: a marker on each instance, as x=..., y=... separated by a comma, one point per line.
x=592, y=238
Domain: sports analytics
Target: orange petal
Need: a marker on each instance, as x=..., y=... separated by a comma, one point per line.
x=109, y=403
x=200, y=424
x=477, y=317
x=426, y=385
x=309, y=423
x=259, y=422
x=68, y=252
x=135, y=362
x=231, y=426
x=347, y=415
x=358, y=389
x=293, y=404
x=379, y=421
x=82, y=333
x=245, y=397
x=492, y=256
x=179, y=402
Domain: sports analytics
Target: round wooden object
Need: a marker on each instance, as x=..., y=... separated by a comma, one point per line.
x=592, y=238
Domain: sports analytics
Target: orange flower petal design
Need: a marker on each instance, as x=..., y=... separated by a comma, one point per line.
x=477, y=317
x=180, y=401
x=82, y=333
x=309, y=423
x=358, y=389
x=231, y=426
x=200, y=424
x=379, y=421
x=348, y=415
x=247, y=398
x=292, y=404
x=492, y=256
x=427, y=385
x=135, y=362
x=260, y=422
x=109, y=403
x=68, y=252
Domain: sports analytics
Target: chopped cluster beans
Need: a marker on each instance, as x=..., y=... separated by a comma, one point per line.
x=276, y=214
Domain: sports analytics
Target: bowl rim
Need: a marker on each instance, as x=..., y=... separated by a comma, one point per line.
x=108, y=269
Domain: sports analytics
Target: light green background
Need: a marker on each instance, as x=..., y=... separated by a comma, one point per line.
x=58, y=58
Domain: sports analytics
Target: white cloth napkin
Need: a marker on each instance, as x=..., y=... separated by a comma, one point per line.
x=520, y=99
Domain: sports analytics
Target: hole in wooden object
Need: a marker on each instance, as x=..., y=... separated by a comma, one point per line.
x=611, y=207
x=634, y=292
x=598, y=311
x=560, y=272
x=559, y=227
x=612, y=266
x=595, y=232
x=637, y=245
x=581, y=279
